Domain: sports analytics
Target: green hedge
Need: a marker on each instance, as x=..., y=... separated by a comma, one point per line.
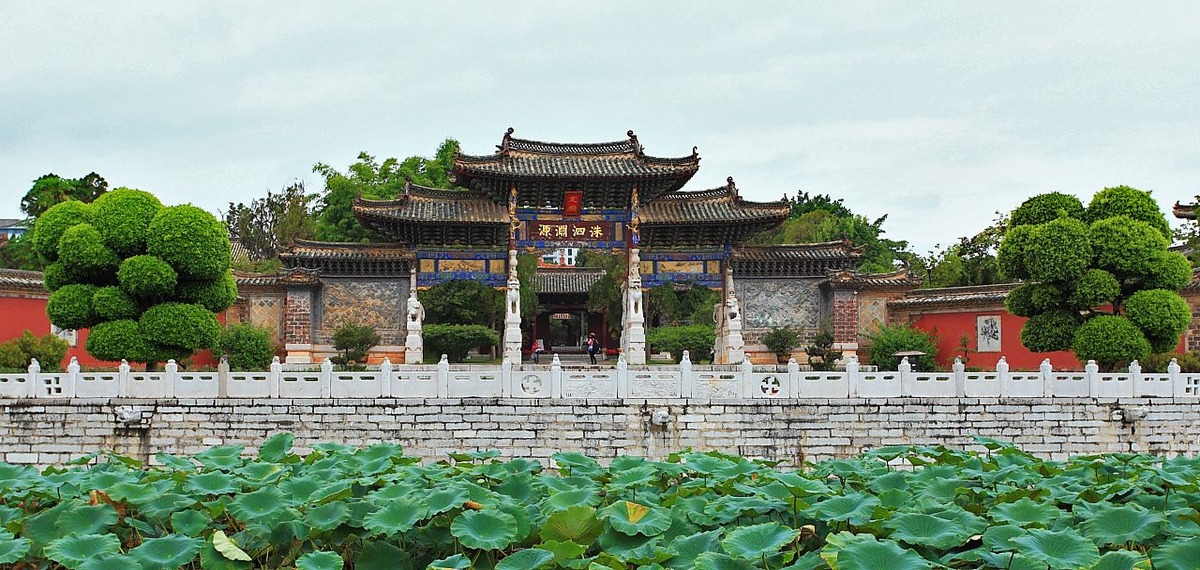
x=114, y=340
x=1110, y=340
x=456, y=341
x=49, y=350
x=194, y=242
x=247, y=347
x=698, y=340
x=891, y=339
x=122, y=216
x=1050, y=331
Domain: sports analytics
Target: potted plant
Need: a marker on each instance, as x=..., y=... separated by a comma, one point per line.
x=781, y=341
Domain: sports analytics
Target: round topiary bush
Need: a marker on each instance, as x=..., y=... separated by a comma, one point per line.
x=1045, y=208
x=1158, y=313
x=215, y=296
x=114, y=340
x=1168, y=270
x=85, y=257
x=70, y=307
x=1050, y=331
x=194, y=242
x=55, y=276
x=49, y=227
x=1109, y=340
x=1130, y=202
x=1010, y=256
x=112, y=304
x=247, y=347
x=1097, y=287
x=1044, y=297
x=1125, y=246
x=1058, y=250
x=122, y=216
x=146, y=277
x=181, y=325
x=1019, y=301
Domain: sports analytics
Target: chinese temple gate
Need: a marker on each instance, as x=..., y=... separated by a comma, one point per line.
x=532, y=197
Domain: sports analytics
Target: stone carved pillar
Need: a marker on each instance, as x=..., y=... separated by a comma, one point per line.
x=633, y=335
x=414, y=343
x=730, y=346
x=512, y=311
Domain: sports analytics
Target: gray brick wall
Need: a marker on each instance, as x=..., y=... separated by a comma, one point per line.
x=45, y=432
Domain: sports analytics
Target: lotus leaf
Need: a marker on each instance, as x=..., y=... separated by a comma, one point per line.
x=1061, y=549
x=112, y=562
x=74, y=550
x=211, y=483
x=484, y=530
x=1025, y=512
x=928, y=530
x=527, y=559
x=456, y=562
x=12, y=549
x=328, y=516
x=857, y=508
x=227, y=547
x=190, y=522
x=399, y=515
x=166, y=553
x=719, y=561
x=879, y=555
x=1122, y=560
x=276, y=447
x=634, y=518
x=260, y=504
x=87, y=519
x=1180, y=554
x=320, y=560
x=1122, y=524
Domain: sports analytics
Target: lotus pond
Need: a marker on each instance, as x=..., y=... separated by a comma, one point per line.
x=893, y=508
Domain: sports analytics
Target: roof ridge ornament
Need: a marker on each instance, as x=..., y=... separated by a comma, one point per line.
x=503, y=146
x=633, y=141
x=733, y=191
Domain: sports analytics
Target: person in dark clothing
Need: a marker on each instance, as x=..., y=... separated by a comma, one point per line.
x=593, y=346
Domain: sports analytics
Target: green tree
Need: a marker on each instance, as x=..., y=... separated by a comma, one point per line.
x=889, y=340
x=247, y=347
x=352, y=343
x=456, y=341
x=146, y=279
x=18, y=253
x=268, y=224
x=376, y=180
x=1101, y=281
x=819, y=218
x=604, y=296
x=971, y=261
x=462, y=302
x=49, y=350
x=51, y=189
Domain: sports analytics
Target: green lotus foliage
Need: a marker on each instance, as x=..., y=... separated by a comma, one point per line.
x=375, y=508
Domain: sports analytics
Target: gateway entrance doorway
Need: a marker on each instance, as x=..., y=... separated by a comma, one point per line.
x=566, y=330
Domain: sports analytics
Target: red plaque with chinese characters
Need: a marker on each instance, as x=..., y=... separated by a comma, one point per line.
x=572, y=203
x=570, y=231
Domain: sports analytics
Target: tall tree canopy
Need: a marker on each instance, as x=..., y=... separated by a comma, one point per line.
x=1100, y=281
x=375, y=180
x=820, y=218
x=268, y=224
x=52, y=189
x=971, y=261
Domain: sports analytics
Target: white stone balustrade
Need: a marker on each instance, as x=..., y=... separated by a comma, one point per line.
x=624, y=381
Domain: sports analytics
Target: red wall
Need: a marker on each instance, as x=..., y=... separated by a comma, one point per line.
x=18, y=314
x=949, y=328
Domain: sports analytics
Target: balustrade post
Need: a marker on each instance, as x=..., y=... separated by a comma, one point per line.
x=906, y=377
x=793, y=370
x=747, y=370
x=33, y=370
x=622, y=376
x=123, y=379
x=443, y=375
x=275, y=377
x=1135, y=372
x=960, y=377
x=687, y=380
x=1174, y=372
x=556, y=381
x=170, y=376
x=326, y=377
x=223, y=377
x=853, y=376
x=506, y=368
x=72, y=374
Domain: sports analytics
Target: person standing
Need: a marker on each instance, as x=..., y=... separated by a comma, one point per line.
x=593, y=346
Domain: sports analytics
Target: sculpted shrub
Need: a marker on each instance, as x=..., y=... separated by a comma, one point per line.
x=146, y=259
x=146, y=277
x=1046, y=208
x=122, y=216
x=194, y=242
x=70, y=307
x=1106, y=290
x=50, y=226
x=698, y=340
x=353, y=342
x=889, y=340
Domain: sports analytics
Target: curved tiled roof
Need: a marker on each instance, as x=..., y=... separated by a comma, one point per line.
x=720, y=204
x=18, y=280
x=522, y=158
x=798, y=251
x=955, y=296
x=849, y=279
x=423, y=205
x=567, y=280
x=306, y=249
x=1184, y=211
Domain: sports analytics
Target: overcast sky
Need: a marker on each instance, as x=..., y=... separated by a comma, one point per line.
x=936, y=114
